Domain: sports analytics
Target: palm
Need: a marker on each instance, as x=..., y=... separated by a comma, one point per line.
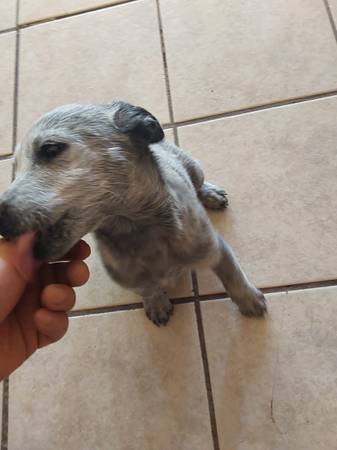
x=37, y=316
x=19, y=337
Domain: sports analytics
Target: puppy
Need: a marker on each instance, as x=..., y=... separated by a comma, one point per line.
x=107, y=169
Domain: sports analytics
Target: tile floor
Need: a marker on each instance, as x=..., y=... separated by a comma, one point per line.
x=250, y=89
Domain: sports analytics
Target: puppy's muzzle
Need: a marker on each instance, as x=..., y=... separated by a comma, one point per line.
x=11, y=221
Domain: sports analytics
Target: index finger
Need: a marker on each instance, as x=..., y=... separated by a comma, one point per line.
x=80, y=251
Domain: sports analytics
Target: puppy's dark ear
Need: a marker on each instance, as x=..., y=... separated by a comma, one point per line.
x=139, y=124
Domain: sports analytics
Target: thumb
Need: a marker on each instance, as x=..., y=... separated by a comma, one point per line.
x=17, y=267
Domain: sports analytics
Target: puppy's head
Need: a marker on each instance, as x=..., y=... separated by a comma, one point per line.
x=73, y=172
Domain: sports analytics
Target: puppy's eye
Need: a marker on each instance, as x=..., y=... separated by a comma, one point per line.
x=50, y=150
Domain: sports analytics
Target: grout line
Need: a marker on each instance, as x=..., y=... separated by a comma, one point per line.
x=126, y=307
x=105, y=309
x=195, y=284
x=5, y=392
x=183, y=300
x=4, y=429
x=331, y=19
x=166, y=74
x=10, y=155
x=17, y=13
x=300, y=286
x=74, y=14
x=176, y=136
x=208, y=297
x=277, y=289
x=204, y=357
x=251, y=109
x=16, y=90
x=203, y=297
x=7, y=30
x=4, y=157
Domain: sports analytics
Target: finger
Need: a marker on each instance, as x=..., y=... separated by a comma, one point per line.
x=80, y=251
x=16, y=268
x=74, y=273
x=51, y=326
x=22, y=256
x=12, y=287
x=58, y=297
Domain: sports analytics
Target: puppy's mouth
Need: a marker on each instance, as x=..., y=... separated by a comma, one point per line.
x=41, y=247
x=53, y=241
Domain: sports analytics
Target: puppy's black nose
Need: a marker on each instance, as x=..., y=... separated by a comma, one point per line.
x=9, y=221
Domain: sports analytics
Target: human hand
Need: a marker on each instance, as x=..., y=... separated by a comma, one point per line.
x=34, y=300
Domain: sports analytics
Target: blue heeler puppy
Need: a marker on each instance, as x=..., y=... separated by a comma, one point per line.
x=107, y=169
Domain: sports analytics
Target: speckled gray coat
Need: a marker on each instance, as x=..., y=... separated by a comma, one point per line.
x=107, y=169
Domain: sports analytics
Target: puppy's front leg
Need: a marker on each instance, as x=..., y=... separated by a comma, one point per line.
x=250, y=300
x=157, y=306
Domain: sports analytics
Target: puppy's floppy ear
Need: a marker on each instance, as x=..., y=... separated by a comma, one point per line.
x=138, y=123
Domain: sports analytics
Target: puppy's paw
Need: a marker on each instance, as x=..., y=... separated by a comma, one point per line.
x=252, y=303
x=159, y=312
x=213, y=197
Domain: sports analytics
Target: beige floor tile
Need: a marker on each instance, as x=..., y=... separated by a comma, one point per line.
x=40, y=9
x=7, y=52
x=5, y=174
x=1, y=388
x=7, y=14
x=101, y=290
x=272, y=379
x=279, y=168
x=333, y=8
x=231, y=55
x=94, y=57
x=115, y=382
x=169, y=135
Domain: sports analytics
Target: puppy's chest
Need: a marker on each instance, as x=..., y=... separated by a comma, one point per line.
x=148, y=244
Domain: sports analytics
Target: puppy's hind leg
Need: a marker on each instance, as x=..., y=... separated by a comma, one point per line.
x=249, y=299
x=212, y=197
